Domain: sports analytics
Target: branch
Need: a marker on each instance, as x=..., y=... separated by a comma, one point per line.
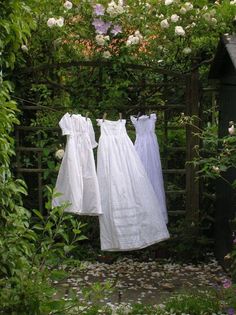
x=101, y=63
x=204, y=62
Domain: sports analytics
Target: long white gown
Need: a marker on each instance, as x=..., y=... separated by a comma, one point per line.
x=147, y=147
x=132, y=217
x=77, y=179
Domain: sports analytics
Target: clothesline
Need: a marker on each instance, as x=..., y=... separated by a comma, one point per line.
x=39, y=105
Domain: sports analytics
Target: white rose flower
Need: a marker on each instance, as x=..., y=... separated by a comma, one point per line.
x=214, y=21
x=213, y=12
x=100, y=40
x=138, y=34
x=114, y=9
x=24, y=48
x=106, y=54
x=207, y=17
x=164, y=24
x=68, y=5
x=187, y=50
x=179, y=31
x=231, y=130
x=174, y=18
x=216, y=169
x=188, y=6
x=59, y=154
x=51, y=22
x=60, y=22
x=119, y=9
x=168, y=2
x=132, y=40
x=182, y=10
x=128, y=42
x=135, y=40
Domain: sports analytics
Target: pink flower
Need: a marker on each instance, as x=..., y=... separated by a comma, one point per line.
x=101, y=26
x=99, y=9
x=227, y=283
x=230, y=311
x=116, y=29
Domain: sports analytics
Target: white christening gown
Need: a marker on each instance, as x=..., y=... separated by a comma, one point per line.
x=147, y=147
x=132, y=217
x=77, y=178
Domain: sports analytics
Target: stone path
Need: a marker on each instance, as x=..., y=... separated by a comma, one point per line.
x=132, y=281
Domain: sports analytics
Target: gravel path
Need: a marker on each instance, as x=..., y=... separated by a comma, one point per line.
x=132, y=281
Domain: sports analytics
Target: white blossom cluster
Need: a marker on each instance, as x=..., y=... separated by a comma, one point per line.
x=106, y=54
x=114, y=9
x=68, y=5
x=179, y=31
x=60, y=21
x=59, y=154
x=168, y=2
x=175, y=18
x=231, y=129
x=55, y=22
x=101, y=40
x=134, y=39
x=24, y=48
x=209, y=17
x=185, y=8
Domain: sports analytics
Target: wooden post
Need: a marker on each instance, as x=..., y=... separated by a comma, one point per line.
x=40, y=183
x=192, y=185
x=165, y=135
x=17, y=137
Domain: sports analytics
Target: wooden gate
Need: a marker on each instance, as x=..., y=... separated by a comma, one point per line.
x=180, y=93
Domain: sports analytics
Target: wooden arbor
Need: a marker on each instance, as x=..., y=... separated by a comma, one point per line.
x=223, y=70
x=180, y=93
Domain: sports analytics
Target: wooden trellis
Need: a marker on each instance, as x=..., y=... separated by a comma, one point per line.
x=188, y=103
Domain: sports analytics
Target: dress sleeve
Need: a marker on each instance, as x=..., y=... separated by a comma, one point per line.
x=64, y=123
x=154, y=116
x=92, y=134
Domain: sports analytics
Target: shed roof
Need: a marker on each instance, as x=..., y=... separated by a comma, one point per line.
x=225, y=54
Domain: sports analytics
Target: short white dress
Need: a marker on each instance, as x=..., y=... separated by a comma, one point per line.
x=147, y=147
x=77, y=179
x=132, y=217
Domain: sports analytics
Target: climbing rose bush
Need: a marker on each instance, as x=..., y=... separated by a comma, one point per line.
x=174, y=31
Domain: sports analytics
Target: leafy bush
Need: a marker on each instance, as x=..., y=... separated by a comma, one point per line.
x=194, y=304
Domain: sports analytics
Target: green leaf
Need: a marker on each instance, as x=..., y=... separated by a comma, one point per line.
x=39, y=214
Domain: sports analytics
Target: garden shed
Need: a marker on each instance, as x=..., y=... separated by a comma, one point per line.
x=223, y=70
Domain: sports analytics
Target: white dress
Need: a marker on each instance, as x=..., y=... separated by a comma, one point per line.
x=77, y=178
x=132, y=217
x=147, y=148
